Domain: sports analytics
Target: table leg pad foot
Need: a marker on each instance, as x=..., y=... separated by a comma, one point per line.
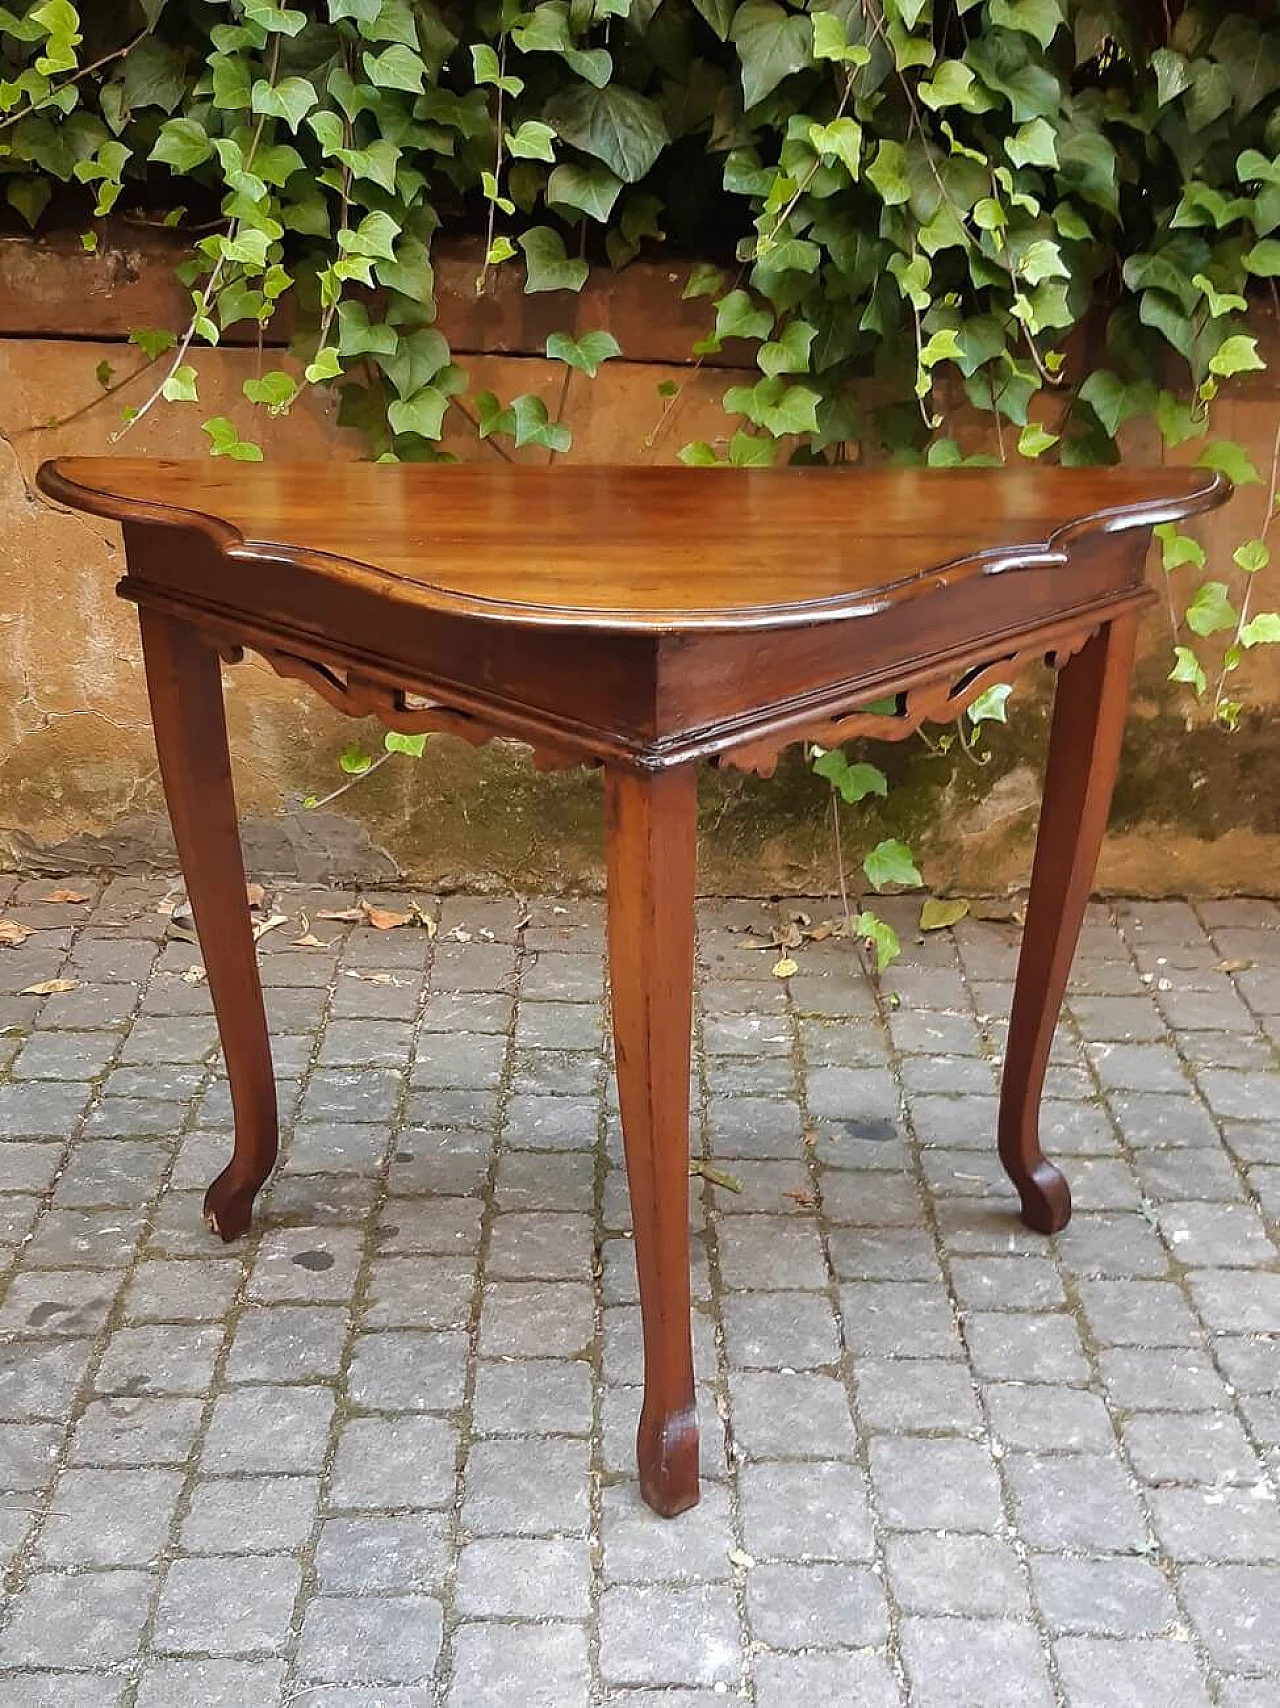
x=667, y=1450
x=228, y=1206
x=1046, y=1199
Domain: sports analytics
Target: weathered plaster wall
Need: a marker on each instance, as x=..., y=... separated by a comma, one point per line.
x=1198, y=810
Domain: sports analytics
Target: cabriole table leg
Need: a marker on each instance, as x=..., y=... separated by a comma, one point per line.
x=184, y=680
x=1084, y=754
x=652, y=857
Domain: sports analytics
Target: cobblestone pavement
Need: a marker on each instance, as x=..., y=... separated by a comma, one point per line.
x=379, y=1454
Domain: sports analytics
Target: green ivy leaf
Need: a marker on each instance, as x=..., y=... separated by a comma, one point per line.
x=182, y=144
x=180, y=387
x=225, y=441
x=1236, y=355
x=891, y=862
x=1252, y=556
x=291, y=99
x=412, y=745
x=587, y=354
x=1262, y=630
x=1188, y=668
x=622, y=128
x=880, y=937
x=772, y=44
x=1211, y=610
x=1226, y=456
x=1264, y=258
x=591, y=188
x=992, y=706
x=275, y=390
x=355, y=761
x=533, y=140
x=938, y=915
x=548, y=267
x=1178, y=549
x=854, y=782
x=1039, y=18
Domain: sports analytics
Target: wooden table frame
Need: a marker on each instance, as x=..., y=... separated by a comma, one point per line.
x=647, y=693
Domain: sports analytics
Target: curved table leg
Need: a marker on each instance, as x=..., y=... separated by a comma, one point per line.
x=184, y=681
x=652, y=856
x=1084, y=754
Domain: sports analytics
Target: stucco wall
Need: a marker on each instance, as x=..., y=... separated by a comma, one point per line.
x=1198, y=809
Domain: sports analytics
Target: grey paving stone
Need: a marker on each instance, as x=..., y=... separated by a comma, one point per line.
x=921, y=1484
x=816, y=1606
x=771, y=1252
x=1020, y=1347
x=1137, y=1067
x=364, y=1043
x=287, y=1343
x=194, y=1291
x=827, y=1680
x=1080, y=1501
x=1220, y=1525
x=40, y=1380
x=271, y=1430
x=79, y=1621
x=552, y=1123
x=160, y=1359
x=871, y=1200
x=390, y=1639
x=383, y=1553
x=915, y=1395
x=394, y=1463
x=250, y=1515
x=527, y=1488
x=641, y=1548
x=1109, y=1597
x=1232, y=1609
x=1112, y=1243
x=28, y=1452
x=1170, y=1379
x=420, y=1292
x=963, y=1576
x=884, y=1254
x=1099, y=1672
x=41, y=1111
x=1237, y=1301
x=408, y=1370
x=1174, y=1448
x=517, y=1577
x=1006, y=1283
x=60, y=1690
x=543, y=1666
x=779, y=1330
x=899, y=1319
x=1240, y=1096
x=700, y=1629
x=213, y=1684
x=136, y=1432
x=962, y=1663
x=1138, y=1313
x=49, y=1303
x=520, y=1319
x=65, y=1055
x=470, y=1061
x=514, y=1396
x=776, y=1415
x=227, y=1606
x=1174, y=1175
x=1049, y=1419
x=109, y=1518
x=806, y=1512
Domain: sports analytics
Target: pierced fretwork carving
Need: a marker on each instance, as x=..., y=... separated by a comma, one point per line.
x=936, y=699
x=403, y=711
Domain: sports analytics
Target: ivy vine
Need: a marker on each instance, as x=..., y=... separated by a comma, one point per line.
x=1062, y=214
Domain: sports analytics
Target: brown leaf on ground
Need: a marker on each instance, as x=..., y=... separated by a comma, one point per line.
x=51, y=987
x=256, y=894
x=806, y=1200
x=717, y=1176
x=384, y=918
x=272, y=923
x=786, y=968
x=341, y=915
x=371, y=978
x=1234, y=966
x=12, y=934
x=71, y=897
x=308, y=941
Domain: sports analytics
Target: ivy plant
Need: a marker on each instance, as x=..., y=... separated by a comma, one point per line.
x=1061, y=214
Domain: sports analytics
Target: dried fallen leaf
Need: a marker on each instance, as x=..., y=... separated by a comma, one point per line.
x=71, y=897
x=1234, y=966
x=12, y=934
x=717, y=1176
x=308, y=941
x=51, y=987
x=194, y=975
x=739, y=1557
x=938, y=915
x=342, y=915
x=820, y=933
x=810, y=1137
x=371, y=978
x=383, y=918
x=786, y=968
x=459, y=934
x=256, y=894
x=806, y=1200
x=272, y=923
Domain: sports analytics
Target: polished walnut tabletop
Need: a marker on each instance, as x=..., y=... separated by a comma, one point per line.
x=641, y=620
x=639, y=549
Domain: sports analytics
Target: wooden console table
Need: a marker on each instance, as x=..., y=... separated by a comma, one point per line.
x=644, y=620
